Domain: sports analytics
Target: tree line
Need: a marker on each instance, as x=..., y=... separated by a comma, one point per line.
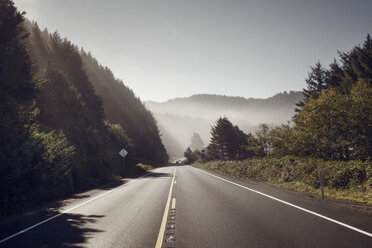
x=332, y=122
x=57, y=135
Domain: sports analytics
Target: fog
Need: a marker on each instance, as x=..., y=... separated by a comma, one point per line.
x=179, y=118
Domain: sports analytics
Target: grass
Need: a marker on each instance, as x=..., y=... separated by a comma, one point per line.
x=144, y=166
x=345, y=180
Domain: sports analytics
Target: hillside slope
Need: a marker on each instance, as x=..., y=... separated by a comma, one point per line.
x=179, y=118
x=55, y=136
x=122, y=106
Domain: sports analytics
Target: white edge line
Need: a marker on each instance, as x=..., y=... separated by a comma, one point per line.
x=68, y=210
x=292, y=205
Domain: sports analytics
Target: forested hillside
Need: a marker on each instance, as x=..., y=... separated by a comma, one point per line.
x=179, y=118
x=276, y=109
x=55, y=138
x=123, y=107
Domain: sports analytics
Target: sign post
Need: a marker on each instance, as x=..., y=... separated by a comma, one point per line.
x=123, y=153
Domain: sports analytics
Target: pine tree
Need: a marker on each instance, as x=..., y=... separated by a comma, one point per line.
x=316, y=82
x=34, y=165
x=16, y=86
x=196, y=142
x=228, y=142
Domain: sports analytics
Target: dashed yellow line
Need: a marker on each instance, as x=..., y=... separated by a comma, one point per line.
x=159, y=242
x=173, y=203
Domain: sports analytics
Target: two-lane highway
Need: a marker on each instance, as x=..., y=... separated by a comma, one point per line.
x=186, y=207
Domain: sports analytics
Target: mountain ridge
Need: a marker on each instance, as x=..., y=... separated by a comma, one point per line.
x=180, y=117
x=215, y=96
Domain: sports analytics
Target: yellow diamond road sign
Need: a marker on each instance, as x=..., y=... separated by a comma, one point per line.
x=123, y=153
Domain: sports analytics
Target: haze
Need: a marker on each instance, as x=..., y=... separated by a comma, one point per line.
x=162, y=49
x=178, y=119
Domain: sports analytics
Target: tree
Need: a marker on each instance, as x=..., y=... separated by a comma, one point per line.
x=263, y=141
x=337, y=126
x=253, y=148
x=282, y=140
x=334, y=124
x=192, y=156
x=228, y=142
x=34, y=163
x=17, y=93
x=360, y=114
x=316, y=82
x=356, y=64
x=196, y=142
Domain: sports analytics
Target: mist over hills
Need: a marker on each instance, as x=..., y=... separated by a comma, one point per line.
x=179, y=118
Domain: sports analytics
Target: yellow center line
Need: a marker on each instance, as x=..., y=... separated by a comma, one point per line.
x=159, y=242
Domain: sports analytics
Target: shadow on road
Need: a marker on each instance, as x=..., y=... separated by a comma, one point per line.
x=159, y=174
x=66, y=230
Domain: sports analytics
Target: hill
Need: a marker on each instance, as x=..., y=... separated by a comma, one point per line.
x=64, y=118
x=179, y=118
x=122, y=106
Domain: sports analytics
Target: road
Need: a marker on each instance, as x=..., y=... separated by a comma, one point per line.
x=181, y=206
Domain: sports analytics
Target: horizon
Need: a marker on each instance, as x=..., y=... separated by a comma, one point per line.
x=166, y=48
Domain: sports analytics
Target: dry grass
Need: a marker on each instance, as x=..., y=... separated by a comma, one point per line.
x=345, y=180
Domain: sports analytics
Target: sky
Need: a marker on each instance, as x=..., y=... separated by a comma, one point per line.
x=164, y=49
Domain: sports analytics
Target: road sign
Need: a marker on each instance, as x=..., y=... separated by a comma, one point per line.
x=123, y=153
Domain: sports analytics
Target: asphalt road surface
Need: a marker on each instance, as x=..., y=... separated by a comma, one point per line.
x=181, y=206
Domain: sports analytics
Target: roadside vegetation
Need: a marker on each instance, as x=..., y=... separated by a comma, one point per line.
x=332, y=127
x=348, y=180
x=145, y=167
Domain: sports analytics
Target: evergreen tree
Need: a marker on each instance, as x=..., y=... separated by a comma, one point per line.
x=228, y=142
x=34, y=163
x=196, y=142
x=192, y=156
x=335, y=75
x=123, y=107
x=316, y=82
x=356, y=64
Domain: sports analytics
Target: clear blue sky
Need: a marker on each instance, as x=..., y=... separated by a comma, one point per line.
x=172, y=48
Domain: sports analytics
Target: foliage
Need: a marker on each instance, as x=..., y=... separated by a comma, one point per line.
x=54, y=138
x=123, y=107
x=196, y=142
x=228, y=142
x=342, y=179
x=192, y=156
x=338, y=126
x=146, y=167
x=35, y=160
x=334, y=119
x=354, y=65
x=317, y=81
